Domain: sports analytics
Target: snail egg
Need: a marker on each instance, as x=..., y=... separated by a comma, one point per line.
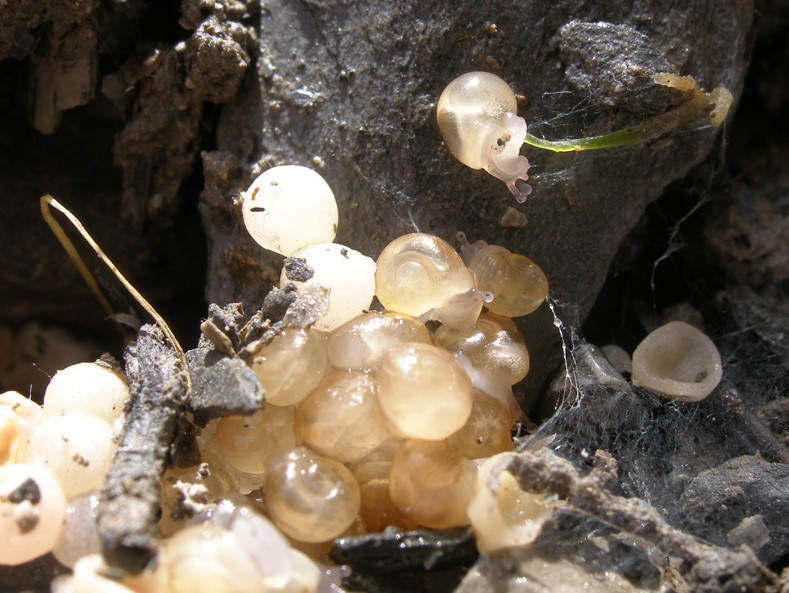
x=488, y=346
x=430, y=484
x=360, y=343
x=205, y=558
x=291, y=365
x=245, y=442
x=372, y=472
x=288, y=208
x=80, y=535
x=76, y=448
x=477, y=116
x=486, y=432
x=517, y=284
x=419, y=272
x=18, y=417
x=677, y=361
x=423, y=391
x=311, y=498
x=342, y=418
x=32, y=509
x=502, y=514
x=87, y=387
x=349, y=276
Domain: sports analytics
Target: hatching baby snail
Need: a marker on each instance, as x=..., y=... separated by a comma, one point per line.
x=423, y=276
x=517, y=284
x=477, y=116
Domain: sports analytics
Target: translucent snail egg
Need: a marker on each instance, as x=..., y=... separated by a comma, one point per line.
x=477, y=116
x=377, y=510
x=342, y=418
x=288, y=208
x=423, y=391
x=32, y=508
x=486, y=432
x=517, y=284
x=76, y=448
x=677, y=361
x=430, y=484
x=488, y=346
x=245, y=442
x=418, y=274
x=360, y=343
x=349, y=276
x=291, y=365
x=310, y=498
x=87, y=387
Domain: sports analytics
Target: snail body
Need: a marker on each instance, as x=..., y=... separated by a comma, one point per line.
x=477, y=116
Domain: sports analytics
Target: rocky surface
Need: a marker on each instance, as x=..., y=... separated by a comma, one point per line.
x=143, y=115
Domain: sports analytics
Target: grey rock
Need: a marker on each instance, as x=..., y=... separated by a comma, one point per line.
x=350, y=90
x=222, y=386
x=718, y=500
x=615, y=65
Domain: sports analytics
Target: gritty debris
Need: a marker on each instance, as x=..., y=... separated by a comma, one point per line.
x=129, y=504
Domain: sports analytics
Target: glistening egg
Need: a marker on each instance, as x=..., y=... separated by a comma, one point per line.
x=288, y=208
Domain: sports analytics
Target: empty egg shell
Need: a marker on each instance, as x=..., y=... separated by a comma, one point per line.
x=502, y=514
x=477, y=116
x=349, y=276
x=677, y=361
x=288, y=208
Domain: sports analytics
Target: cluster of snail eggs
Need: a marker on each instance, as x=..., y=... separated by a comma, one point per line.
x=373, y=418
x=54, y=460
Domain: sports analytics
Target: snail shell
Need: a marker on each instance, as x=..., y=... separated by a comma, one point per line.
x=517, y=284
x=477, y=116
x=419, y=273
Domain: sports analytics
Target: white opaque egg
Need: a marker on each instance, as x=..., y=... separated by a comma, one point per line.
x=87, y=387
x=32, y=507
x=76, y=448
x=288, y=208
x=349, y=276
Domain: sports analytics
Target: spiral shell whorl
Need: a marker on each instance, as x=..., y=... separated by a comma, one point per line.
x=419, y=272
